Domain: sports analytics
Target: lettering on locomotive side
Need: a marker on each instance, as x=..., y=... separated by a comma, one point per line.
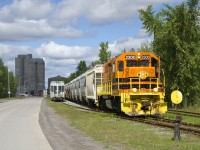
x=129, y=57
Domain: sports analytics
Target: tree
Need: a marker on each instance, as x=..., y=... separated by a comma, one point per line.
x=132, y=50
x=3, y=80
x=104, y=54
x=176, y=39
x=145, y=47
x=4, y=73
x=94, y=63
x=81, y=68
x=13, y=84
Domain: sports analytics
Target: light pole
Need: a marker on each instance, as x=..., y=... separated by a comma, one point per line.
x=9, y=85
x=19, y=86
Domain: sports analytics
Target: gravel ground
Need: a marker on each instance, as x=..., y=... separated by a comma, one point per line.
x=60, y=135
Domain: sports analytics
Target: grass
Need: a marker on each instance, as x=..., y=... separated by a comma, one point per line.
x=185, y=118
x=192, y=108
x=11, y=98
x=117, y=134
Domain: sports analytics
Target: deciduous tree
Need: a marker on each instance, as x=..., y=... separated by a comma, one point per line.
x=104, y=54
x=4, y=73
x=81, y=68
x=145, y=47
x=177, y=40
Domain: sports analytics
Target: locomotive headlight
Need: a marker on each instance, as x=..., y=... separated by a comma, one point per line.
x=134, y=89
x=155, y=89
x=139, y=56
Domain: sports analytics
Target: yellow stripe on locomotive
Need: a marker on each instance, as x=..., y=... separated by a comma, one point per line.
x=132, y=84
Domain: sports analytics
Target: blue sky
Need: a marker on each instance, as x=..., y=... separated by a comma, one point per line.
x=63, y=32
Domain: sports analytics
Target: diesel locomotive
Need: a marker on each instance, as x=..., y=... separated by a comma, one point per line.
x=130, y=83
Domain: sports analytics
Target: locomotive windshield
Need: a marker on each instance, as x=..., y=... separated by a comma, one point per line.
x=134, y=63
x=143, y=63
x=131, y=63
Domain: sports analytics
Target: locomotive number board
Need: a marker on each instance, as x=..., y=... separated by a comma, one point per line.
x=130, y=57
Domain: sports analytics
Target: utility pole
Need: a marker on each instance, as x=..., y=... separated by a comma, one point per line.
x=19, y=86
x=8, y=85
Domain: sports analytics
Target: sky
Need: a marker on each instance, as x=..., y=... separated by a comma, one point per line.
x=63, y=32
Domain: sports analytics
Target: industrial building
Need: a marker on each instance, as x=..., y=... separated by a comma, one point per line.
x=30, y=75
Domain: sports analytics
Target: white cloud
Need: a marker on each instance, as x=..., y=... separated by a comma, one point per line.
x=36, y=19
x=54, y=67
x=127, y=43
x=102, y=11
x=29, y=19
x=26, y=9
x=31, y=29
x=62, y=59
x=9, y=51
x=59, y=59
x=56, y=51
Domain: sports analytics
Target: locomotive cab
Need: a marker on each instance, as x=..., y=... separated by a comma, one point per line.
x=137, y=65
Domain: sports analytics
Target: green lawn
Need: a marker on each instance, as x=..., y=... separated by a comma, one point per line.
x=119, y=134
x=185, y=118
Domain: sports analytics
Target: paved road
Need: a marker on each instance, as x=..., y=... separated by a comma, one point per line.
x=25, y=123
x=19, y=126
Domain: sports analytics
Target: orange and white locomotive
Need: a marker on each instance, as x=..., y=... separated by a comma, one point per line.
x=128, y=83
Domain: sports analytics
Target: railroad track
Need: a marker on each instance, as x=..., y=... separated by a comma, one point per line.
x=162, y=122
x=167, y=123
x=181, y=112
x=184, y=126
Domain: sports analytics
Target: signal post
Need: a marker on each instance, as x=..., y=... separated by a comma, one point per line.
x=176, y=98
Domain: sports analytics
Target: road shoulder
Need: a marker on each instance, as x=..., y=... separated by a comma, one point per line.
x=60, y=135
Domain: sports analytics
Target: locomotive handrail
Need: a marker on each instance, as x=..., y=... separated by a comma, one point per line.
x=106, y=87
x=118, y=79
x=139, y=80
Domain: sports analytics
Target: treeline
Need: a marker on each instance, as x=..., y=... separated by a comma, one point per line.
x=7, y=81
